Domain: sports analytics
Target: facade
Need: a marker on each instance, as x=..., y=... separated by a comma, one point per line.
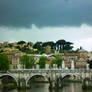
x=90, y=55
x=14, y=57
x=68, y=57
x=80, y=59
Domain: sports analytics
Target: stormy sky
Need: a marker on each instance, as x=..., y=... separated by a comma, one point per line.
x=47, y=20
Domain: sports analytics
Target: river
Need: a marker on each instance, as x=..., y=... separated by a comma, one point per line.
x=71, y=87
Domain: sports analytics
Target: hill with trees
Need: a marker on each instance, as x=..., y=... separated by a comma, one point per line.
x=48, y=47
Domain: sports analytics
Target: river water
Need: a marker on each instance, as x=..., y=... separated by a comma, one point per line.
x=72, y=87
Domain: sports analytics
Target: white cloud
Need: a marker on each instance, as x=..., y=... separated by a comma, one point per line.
x=85, y=43
x=81, y=36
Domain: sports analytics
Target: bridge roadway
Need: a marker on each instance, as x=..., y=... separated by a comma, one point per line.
x=47, y=74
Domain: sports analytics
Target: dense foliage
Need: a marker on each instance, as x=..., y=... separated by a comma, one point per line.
x=41, y=47
x=57, y=61
x=28, y=61
x=60, y=45
x=42, y=61
x=21, y=42
x=90, y=64
x=4, y=62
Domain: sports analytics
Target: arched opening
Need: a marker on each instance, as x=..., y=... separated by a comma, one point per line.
x=71, y=79
x=65, y=77
x=8, y=81
x=37, y=81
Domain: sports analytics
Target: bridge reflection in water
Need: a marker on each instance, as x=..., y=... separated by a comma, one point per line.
x=72, y=87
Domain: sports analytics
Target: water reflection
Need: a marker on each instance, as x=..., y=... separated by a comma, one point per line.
x=72, y=87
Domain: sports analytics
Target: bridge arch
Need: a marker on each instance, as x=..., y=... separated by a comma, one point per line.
x=77, y=76
x=36, y=75
x=11, y=76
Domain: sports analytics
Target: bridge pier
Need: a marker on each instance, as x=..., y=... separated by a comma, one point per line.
x=21, y=83
x=51, y=83
x=55, y=83
x=87, y=83
x=0, y=83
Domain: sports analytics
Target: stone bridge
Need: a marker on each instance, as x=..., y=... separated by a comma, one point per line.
x=50, y=75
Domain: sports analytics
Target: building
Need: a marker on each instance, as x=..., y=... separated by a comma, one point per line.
x=80, y=59
x=68, y=57
x=90, y=55
x=14, y=57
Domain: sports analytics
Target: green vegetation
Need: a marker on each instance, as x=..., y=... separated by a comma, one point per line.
x=57, y=61
x=21, y=42
x=41, y=47
x=42, y=62
x=60, y=45
x=28, y=61
x=90, y=64
x=4, y=62
x=53, y=62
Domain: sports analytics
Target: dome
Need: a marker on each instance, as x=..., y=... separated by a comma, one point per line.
x=82, y=50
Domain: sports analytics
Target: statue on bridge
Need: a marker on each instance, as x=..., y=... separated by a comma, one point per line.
x=72, y=65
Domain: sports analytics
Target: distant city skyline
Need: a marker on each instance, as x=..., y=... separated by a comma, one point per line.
x=47, y=20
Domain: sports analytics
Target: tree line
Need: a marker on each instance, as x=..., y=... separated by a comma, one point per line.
x=28, y=62
x=60, y=46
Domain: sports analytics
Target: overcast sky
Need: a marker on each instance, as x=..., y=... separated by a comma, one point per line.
x=47, y=20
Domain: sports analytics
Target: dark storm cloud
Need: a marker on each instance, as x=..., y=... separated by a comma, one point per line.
x=23, y=13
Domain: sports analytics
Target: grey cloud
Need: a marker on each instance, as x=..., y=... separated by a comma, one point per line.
x=23, y=13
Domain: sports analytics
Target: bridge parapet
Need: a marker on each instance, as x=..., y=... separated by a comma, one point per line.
x=53, y=74
x=49, y=71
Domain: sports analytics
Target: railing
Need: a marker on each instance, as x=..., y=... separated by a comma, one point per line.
x=50, y=71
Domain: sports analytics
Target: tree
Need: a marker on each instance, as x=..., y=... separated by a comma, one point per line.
x=90, y=64
x=28, y=61
x=68, y=46
x=42, y=61
x=30, y=43
x=10, y=45
x=58, y=61
x=50, y=43
x=38, y=46
x=53, y=62
x=63, y=45
x=4, y=62
x=60, y=44
x=21, y=42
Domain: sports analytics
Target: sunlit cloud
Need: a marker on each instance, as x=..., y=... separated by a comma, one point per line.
x=85, y=43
